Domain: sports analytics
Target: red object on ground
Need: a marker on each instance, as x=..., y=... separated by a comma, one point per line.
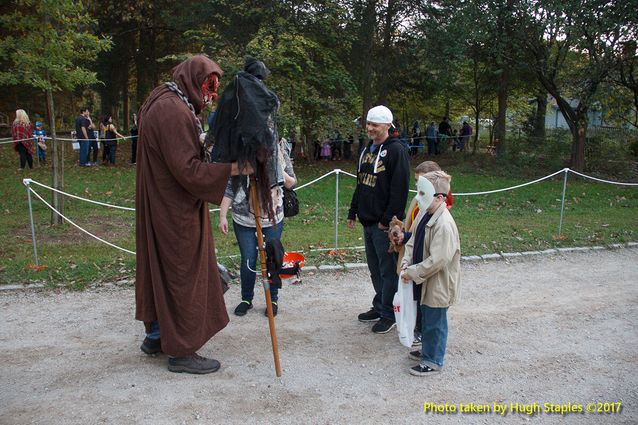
x=290, y=258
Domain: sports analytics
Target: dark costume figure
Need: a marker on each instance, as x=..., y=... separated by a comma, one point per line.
x=244, y=129
x=177, y=285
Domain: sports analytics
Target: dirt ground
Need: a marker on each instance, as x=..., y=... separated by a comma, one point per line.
x=549, y=329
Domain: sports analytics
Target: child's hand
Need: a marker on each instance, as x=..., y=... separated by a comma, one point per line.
x=404, y=274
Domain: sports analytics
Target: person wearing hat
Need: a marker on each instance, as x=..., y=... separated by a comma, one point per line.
x=383, y=180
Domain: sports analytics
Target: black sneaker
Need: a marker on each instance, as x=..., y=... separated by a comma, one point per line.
x=415, y=355
x=421, y=370
x=151, y=346
x=369, y=316
x=243, y=307
x=383, y=326
x=274, y=310
x=193, y=363
x=417, y=340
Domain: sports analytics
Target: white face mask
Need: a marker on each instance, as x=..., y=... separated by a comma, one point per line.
x=425, y=193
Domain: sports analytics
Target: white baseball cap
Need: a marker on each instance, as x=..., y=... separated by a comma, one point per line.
x=380, y=115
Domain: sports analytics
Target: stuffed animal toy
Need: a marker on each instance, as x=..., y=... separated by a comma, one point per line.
x=395, y=231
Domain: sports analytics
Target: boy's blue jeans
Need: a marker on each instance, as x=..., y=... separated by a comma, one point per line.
x=247, y=240
x=433, y=336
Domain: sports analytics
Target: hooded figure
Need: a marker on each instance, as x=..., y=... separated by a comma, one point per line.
x=177, y=285
x=245, y=129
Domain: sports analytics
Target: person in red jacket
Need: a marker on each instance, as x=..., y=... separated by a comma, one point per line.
x=21, y=132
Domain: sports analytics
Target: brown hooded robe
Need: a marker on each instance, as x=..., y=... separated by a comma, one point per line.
x=177, y=281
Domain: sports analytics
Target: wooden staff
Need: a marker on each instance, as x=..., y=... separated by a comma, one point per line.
x=264, y=273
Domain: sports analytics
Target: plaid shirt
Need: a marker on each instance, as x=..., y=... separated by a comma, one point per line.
x=21, y=133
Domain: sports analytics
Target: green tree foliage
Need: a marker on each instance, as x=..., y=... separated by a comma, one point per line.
x=46, y=45
x=571, y=45
x=333, y=59
x=315, y=89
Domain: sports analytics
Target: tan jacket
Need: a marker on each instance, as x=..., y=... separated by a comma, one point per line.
x=441, y=265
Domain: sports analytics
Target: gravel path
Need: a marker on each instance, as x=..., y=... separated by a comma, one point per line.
x=551, y=329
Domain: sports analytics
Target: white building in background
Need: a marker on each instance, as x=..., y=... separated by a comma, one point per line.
x=554, y=117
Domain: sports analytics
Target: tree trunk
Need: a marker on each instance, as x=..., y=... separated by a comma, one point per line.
x=144, y=64
x=57, y=162
x=501, y=115
x=476, y=132
x=504, y=31
x=539, y=117
x=368, y=29
x=126, y=112
x=577, y=161
x=386, y=58
x=308, y=140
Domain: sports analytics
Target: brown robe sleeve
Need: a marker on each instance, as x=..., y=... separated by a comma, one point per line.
x=179, y=147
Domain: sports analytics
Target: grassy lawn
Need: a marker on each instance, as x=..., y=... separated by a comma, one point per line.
x=520, y=220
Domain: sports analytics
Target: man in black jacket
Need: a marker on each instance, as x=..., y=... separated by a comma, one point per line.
x=383, y=179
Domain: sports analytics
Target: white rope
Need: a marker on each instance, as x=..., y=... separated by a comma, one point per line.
x=26, y=182
x=347, y=173
x=601, y=180
x=65, y=139
x=512, y=187
x=78, y=227
x=99, y=140
x=315, y=180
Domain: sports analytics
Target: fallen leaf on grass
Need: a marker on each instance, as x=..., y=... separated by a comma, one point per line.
x=35, y=267
x=337, y=252
x=559, y=237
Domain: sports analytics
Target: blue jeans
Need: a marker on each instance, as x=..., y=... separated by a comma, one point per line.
x=433, y=336
x=383, y=267
x=247, y=240
x=84, y=151
x=155, y=331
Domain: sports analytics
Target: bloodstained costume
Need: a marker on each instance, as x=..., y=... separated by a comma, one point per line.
x=177, y=282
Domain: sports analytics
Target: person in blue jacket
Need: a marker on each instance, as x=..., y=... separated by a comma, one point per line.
x=40, y=139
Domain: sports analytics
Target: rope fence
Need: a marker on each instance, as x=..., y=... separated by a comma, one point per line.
x=29, y=182
x=63, y=139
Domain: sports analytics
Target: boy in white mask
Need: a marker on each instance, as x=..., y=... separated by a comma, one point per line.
x=432, y=259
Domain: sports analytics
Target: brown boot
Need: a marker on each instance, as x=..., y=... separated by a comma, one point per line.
x=193, y=363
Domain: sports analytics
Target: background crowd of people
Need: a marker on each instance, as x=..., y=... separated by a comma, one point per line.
x=434, y=140
x=29, y=139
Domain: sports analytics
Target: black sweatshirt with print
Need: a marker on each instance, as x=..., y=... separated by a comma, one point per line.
x=383, y=181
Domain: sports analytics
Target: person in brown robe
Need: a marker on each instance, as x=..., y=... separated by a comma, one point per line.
x=178, y=290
